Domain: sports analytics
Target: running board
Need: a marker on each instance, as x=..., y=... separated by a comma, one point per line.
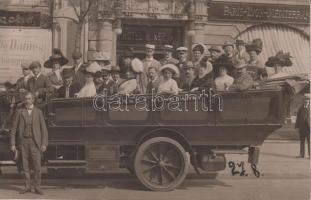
x=227, y=151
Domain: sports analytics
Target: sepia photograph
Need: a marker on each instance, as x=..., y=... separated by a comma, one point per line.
x=155, y=99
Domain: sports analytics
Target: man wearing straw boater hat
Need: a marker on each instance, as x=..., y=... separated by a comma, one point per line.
x=149, y=61
x=55, y=62
x=303, y=125
x=168, y=58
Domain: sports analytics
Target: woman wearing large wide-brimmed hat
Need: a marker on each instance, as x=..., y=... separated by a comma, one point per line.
x=278, y=62
x=55, y=62
x=89, y=88
x=254, y=66
x=205, y=77
x=168, y=85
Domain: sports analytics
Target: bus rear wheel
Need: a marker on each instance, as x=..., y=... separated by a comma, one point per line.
x=161, y=164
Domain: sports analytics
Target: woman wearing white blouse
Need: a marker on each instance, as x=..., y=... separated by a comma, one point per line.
x=89, y=88
x=168, y=85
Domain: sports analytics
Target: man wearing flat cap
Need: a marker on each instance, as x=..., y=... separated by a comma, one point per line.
x=21, y=83
x=39, y=84
x=168, y=58
x=149, y=61
x=69, y=88
x=78, y=68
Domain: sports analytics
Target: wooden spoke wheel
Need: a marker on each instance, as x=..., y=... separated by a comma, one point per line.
x=161, y=164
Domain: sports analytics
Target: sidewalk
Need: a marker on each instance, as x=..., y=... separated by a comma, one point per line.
x=287, y=132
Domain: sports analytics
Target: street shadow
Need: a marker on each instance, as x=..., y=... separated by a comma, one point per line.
x=123, y=181
x=278, y=155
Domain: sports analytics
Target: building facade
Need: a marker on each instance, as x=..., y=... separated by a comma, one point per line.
x=282, y=25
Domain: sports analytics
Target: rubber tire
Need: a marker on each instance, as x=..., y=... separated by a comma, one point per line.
x=181, y=176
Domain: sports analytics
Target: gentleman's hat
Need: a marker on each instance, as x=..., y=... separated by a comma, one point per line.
x=187, y=65
x=101, y=56
x=182, y=49
x=240, y=64
x=98, y=74
x=35, y=64
x=171, y=67
x=215, y=48
x=92, y=68
x=168, y=47
x=57, y=56
x=137, y=65
x=115, y=69
x=105, y=72
x=280, y=58
x=66, y=73
x=25, y=65
x=128, y=53
x=239, y=42
x=256, y=45
x=227, y=43
x=198, y=47
x=76, y=55
x=150, y=46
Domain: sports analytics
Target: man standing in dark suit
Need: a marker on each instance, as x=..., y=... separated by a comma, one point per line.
x=69, y=88
x=30, y=132
x=303, y=125
x=39, y=84
x=78, y=68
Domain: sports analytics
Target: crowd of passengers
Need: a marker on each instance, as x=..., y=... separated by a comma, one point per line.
x=233, y=66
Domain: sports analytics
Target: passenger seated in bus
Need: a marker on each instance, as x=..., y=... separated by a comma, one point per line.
x=89, y=89
x=278, y=62
x=106, y=81
x=168, y=85
x=113, y=87
x=205, y=77
x=132, y=83
x=189, y=72
x=153, y=81
x=223, y=81
x=56, y=62
x=69, y=88
x=98, y=80
x=243, y=80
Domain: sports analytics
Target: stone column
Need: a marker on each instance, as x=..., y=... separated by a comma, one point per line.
x=105, y=36
x=199, y=36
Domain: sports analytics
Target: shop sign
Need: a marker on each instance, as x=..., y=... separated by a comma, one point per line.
x=140, y=35
x=259, y=12
x=22, y=45
x=25, y=19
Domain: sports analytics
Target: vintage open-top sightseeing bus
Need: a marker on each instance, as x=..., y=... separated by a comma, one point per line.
x=159, y=145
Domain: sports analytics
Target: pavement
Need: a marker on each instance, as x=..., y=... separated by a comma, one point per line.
x=282, y=177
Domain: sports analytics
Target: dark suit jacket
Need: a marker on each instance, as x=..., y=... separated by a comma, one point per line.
x=73, y=89
x=113, y=88
x=104, y=86
x=204, y=83
x=79, y=75
x=40, y=133
x=303, y=120
x=21, y=84
x=41, y=84
x=153, y=86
